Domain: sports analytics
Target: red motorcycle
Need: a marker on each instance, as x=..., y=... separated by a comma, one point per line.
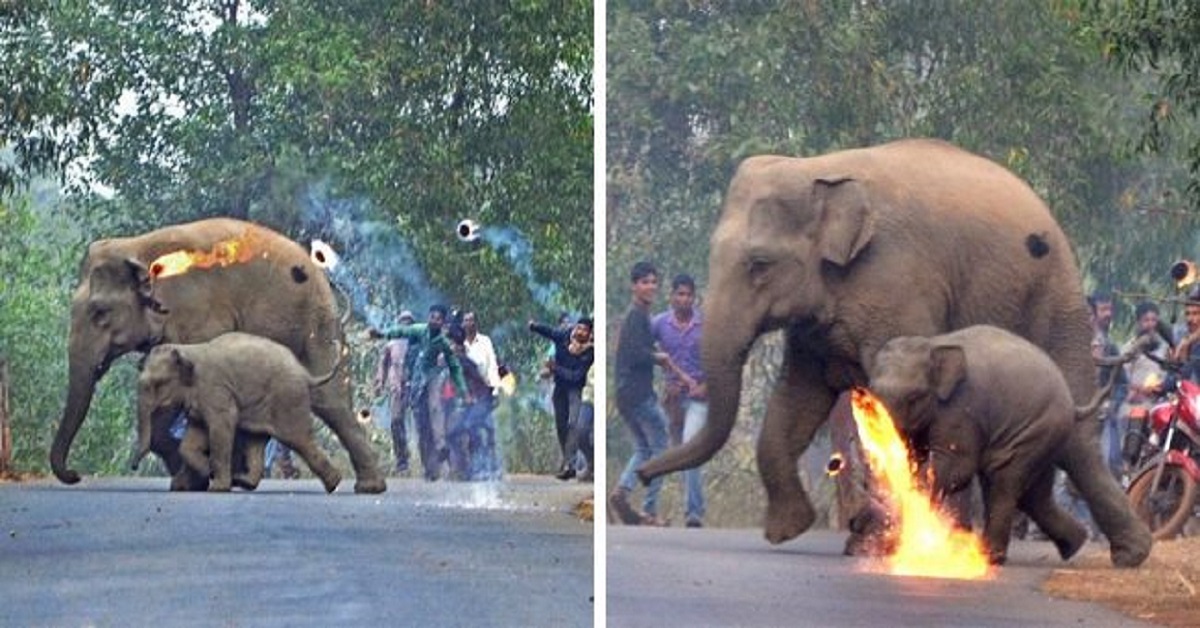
x=1166, y=455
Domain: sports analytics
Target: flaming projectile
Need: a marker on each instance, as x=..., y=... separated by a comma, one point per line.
x=467, y=230
x=323, y=255
x=835, y=465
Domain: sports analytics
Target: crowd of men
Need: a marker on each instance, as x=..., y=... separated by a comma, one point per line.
x=445, y=373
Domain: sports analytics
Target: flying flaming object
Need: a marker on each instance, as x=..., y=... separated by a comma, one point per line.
x=928, y=543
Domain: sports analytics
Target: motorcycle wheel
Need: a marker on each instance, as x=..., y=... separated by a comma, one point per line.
x=1168, y=509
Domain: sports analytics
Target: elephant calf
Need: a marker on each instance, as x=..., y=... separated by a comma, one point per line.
x=983, y=401
x=234, y=382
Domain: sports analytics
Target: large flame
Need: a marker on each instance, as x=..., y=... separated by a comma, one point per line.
x=928, y=543
x=237, y=250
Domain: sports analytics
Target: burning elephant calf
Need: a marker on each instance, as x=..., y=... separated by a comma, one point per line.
x=982, y=401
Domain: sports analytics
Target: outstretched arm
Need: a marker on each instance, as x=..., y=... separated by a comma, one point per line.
x=550, y=333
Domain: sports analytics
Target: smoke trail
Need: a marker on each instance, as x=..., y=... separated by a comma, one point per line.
x=378, y=271
x=516, y=248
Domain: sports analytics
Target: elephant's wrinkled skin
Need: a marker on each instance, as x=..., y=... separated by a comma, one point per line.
x=234, y=382
x=279, y=293
x=847, y=250
x=984, y=401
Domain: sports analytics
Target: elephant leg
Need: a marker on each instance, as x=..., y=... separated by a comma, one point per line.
x=251, y=449
x=302, y=442
x=194, y=469
x=1129, y=538
x=165, y=446
x=1038, y=502
x=331, y=402
x=1000, y=495
x=221, y=428
x=798, y=405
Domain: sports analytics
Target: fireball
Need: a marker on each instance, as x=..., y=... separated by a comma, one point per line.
x=928, y=543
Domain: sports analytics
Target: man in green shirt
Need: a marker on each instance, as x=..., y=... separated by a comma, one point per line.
x=429, y=342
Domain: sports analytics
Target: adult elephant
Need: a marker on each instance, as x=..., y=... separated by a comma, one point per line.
x=245, y=278
x=847, y=250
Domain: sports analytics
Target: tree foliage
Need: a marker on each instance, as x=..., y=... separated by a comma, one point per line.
x=1156, y=41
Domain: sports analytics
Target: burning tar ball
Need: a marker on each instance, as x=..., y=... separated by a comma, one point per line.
x=467, y=230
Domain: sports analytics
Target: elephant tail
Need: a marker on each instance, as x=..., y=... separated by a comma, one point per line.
x=1114, y=364
x=320, y=380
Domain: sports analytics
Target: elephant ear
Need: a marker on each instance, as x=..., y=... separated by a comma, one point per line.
x=847, y=220
x=140, y=277
x=185, y=367
x=948, y=369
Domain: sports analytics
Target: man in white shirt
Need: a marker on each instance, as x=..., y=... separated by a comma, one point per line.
x=480, y=350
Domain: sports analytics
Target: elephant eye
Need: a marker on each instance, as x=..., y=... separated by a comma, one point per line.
x=757, y=266
x=100, y=315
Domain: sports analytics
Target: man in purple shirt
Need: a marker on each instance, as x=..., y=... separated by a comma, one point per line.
x=677, y=332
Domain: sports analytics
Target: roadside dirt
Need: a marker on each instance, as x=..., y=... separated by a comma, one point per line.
x=1163, y=591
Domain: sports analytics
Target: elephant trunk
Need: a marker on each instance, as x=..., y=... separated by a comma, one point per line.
x=724, y=384
x=82, y=382
x=143, y=436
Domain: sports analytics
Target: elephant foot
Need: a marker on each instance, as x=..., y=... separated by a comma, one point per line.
x=998, y=558
x=219, y=488
x=369, y=485
x=788, y=519
x=1133, y=550
x=245, y=481
x=871, y=533
x=1069, y=546
x=186, y=481
x=332, y=479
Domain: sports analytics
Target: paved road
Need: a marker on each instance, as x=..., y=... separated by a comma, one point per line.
x=679, y=577
x=126, y=552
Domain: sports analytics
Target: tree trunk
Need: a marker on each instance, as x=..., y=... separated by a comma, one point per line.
x=5, y=423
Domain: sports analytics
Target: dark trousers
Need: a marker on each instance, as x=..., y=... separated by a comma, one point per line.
x=431, y=427
x=472, y=442
x=397, y=404
x=567, y=400
x=583, y=432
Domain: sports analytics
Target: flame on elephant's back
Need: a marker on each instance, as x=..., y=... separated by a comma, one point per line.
x=227, y=252
x=928, y=542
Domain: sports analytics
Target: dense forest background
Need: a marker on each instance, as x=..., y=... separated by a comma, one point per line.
x=375, y=127
x=1093, y=103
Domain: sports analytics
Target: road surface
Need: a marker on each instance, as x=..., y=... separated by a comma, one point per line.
x=126, y=552
x=678, y=577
